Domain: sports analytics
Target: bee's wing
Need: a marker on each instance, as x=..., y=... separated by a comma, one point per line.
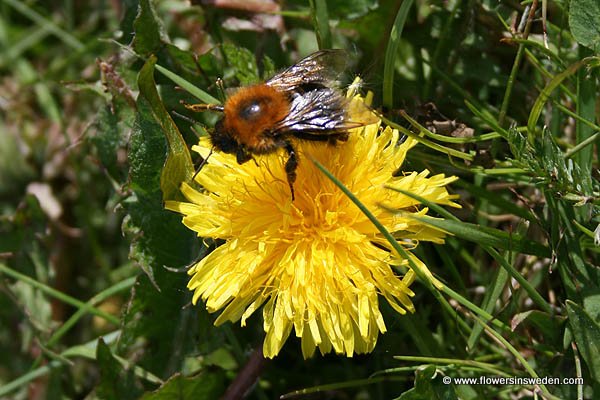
x=321, y=68
x=322, y=112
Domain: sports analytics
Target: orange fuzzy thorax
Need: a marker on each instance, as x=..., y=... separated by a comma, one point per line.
x=249, y=128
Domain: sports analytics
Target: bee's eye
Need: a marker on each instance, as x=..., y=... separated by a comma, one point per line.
x=251, y=110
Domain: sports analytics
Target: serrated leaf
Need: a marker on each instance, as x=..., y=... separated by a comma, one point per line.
x=148, y=31
x=110, y=138
x=147, y=151
x=159, y=239
x=162, y=234
x=178, y=165
x=584, y=21
x=130, y=12
x=243, y=63
x=200, y=387
x=156, y=317
x=587, y=336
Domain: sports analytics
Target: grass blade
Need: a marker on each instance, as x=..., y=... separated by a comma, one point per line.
x=536, y=110
x=39, y=19
x=392, y=52
x=320, y=18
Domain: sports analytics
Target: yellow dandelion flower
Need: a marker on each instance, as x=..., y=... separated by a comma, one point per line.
x=316, y=265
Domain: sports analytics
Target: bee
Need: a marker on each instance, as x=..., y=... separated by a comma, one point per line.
x=302, y=102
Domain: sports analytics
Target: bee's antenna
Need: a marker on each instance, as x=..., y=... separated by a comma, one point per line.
x=221, y=87
x=202, y=163
x=183, y=117
x=203, y=107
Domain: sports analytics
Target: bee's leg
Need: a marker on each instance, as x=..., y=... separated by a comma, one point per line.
x=202, y=107
x=242, y=155
x=202, y=163
x=332, y=140
x=342, y=137
x=290, y=166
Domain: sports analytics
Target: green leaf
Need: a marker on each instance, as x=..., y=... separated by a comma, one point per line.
x=164, y=237
x=268, y=68
x=156, y=315
x=584, y=21
x=115, y=382
x=243, y=63
x=200, y=387
x=178, y=166
x=591, y=302
x=429, y=386
x=587, y=96
x=587, y=336
x=148, y=32
x=221, y=358
x=130, y=12
x=147, y=151
x=34, y=302
x=112, y=123
x=350, y=9
x=542, y=158
x=578, y=275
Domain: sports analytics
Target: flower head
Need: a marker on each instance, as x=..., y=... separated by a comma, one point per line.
x=316, y=265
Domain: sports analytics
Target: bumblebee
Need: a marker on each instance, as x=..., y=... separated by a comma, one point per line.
x=302, y=102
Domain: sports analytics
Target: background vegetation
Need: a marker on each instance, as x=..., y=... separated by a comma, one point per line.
x=94, y=301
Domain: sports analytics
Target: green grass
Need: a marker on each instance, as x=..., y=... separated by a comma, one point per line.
x=93, y=139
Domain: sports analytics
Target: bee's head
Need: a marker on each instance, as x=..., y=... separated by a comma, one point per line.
x=223, y=140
